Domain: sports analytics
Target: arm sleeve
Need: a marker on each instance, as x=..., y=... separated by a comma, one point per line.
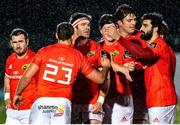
x=136, y=50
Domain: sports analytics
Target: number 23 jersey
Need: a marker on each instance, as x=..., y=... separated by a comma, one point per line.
x=59, y=65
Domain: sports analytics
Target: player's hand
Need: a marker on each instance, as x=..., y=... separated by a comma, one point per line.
x=17, y=100
x=130, y=66
x=113, y=32
x=8, y=103
x=97, y=108
x=105, y=62
x=117, y=68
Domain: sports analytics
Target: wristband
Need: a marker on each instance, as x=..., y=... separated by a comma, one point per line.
x=101, y=99
x=6, y=95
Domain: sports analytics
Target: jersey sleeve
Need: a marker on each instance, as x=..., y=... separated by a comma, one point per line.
x=7, y=71
x=136, y=50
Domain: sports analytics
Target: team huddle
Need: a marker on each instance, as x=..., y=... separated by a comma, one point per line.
x=127, y=77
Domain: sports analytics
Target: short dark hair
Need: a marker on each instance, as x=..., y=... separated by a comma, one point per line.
x=64, y=31
x=164, y=29
x=78, y=15
x=18, y=31
x=156, y=19
x=106, y=19
x=122, y=11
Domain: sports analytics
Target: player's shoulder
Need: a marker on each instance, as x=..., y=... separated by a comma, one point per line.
x=136, y=33
x=12, y=57
x=92, y=41
x=46, y=49
x=161, y=42
x=31, y=52
x=95, y=44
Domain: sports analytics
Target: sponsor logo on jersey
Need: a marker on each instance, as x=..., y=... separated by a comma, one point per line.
x=16, y=72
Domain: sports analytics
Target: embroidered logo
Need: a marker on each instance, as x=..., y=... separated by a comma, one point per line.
x=91, y=53
x=25, y=66
x=115, y=53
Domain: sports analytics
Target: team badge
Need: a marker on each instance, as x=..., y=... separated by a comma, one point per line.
x=115, y=53
x=25, y=66
x=91, y=53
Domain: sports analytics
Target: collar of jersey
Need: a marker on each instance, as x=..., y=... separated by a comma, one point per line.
x=64, y=45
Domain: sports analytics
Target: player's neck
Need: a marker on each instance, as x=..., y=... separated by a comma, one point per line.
x=124, y=34
x=109, y=42
x=65, y=42
x=82, y=42
x=22, y=55
x=154, y=37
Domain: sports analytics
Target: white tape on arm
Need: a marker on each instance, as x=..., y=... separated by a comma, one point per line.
x=101, y=99
x=6, y=95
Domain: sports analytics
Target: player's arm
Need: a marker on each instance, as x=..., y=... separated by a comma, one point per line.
x=100, y=76
x=7, y=91
x=134, y=49
x=138, y=51
x=24, y=81
x=103, y=90
x=97, y=107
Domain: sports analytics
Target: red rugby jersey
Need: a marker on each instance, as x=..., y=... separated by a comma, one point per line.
x=158, y=74
x=59, y=66
x=118, y=82
x=86, y=91
x=14, y=70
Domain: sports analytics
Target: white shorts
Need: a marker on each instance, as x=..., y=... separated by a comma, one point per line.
x=81, y=114
x=51, y=110
x=119, y=110
x=17, y=116
x=162, y=115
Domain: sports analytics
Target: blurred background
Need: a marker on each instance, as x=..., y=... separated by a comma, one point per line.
x=40, y=18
